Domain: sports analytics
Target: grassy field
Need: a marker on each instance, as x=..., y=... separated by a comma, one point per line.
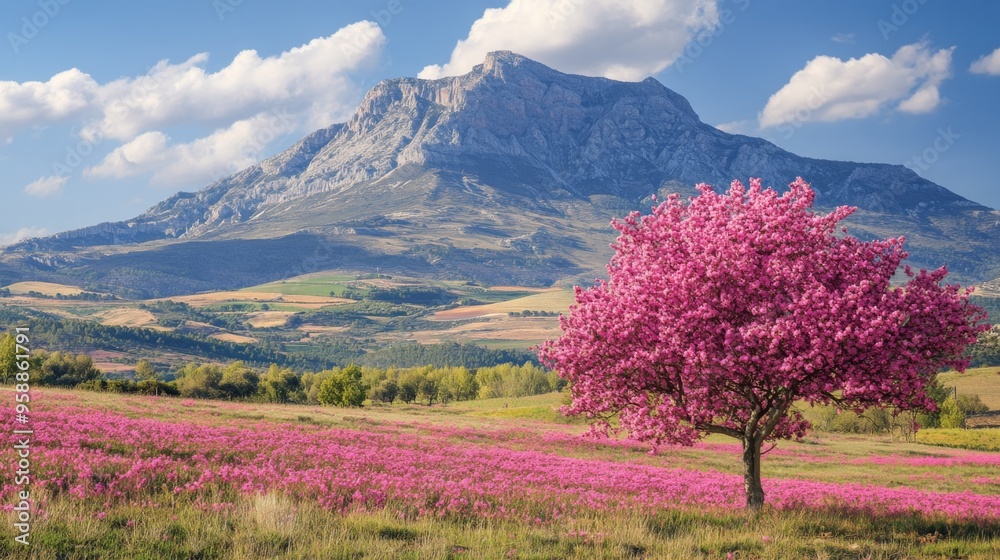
x=984, y=382
x=556, y=300
x=45, y=288
x=145, y=477
x=982, y=439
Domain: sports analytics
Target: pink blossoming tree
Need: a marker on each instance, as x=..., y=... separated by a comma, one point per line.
x=721, y=313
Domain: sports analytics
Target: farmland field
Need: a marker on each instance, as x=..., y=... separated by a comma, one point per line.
x=173, y=478
x=553, y=301
x=984, y=382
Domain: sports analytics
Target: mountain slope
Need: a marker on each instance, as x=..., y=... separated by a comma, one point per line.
x=508, y=173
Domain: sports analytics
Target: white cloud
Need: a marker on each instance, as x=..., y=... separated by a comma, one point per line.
x=312, y=79
x=46, y=186
x=738, y=127
x=987, y=64
x=831, y=89
x=24, y=105
x=843, y=38
x=217, y=155
x=21, y=235
x=619, y=39
x=311, y=85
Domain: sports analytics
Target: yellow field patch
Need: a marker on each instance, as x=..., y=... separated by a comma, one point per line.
x=322, y=329
x=230, y=337
x=266, y=319
x=554, y=300
x=499, y=327
x=522, y=289
x=47, y=288
x=212, y=298
x=129, y=317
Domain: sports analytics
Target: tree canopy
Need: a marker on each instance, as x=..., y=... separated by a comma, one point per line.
x=720, y=313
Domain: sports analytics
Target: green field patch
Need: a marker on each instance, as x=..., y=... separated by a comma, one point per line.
x=984, y=382
x=985, y=439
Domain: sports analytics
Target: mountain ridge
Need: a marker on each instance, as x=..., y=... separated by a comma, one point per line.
x=513, y=164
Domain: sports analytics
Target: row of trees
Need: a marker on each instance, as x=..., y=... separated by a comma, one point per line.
x=353, y=385
x=347, y=386
x=951, y=412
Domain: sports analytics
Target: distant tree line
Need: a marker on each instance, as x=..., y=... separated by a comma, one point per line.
x=986, y=351
x=349, y=386
x=530, y=313
x=951, y=412
x=75, y=334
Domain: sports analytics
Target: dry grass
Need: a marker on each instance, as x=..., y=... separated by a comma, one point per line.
x=521, y=289
x=47, y=288
x=130, y=317
x=213, y=298
x=266, y=319
x=230, y=337
x=553, y=300
x=984, y=382
x=494, y=327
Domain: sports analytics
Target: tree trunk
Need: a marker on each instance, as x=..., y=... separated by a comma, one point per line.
x=751, y=474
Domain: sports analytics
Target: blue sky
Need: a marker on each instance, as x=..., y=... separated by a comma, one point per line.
x=108, y=107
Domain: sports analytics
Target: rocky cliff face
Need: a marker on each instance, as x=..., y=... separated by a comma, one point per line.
x=514, y=137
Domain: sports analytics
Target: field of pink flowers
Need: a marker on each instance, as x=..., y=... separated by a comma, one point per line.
x=528, y=471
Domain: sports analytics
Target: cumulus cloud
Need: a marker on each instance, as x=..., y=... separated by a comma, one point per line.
x=619, y=39
x=24, y=105
x=831, y=89
x=314, y=79
x=46, y=186
x=987, y=64
x=217, y=155
x=21, y=235
x=311, y=86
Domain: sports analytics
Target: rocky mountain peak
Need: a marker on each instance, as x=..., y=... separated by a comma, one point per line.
x=515, y=138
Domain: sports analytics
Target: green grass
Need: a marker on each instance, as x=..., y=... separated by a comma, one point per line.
x=273, y=526
x=984, y=382
x=299, y=288
x=982, y=439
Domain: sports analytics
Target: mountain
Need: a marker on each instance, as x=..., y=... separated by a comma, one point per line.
x=509, y=173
